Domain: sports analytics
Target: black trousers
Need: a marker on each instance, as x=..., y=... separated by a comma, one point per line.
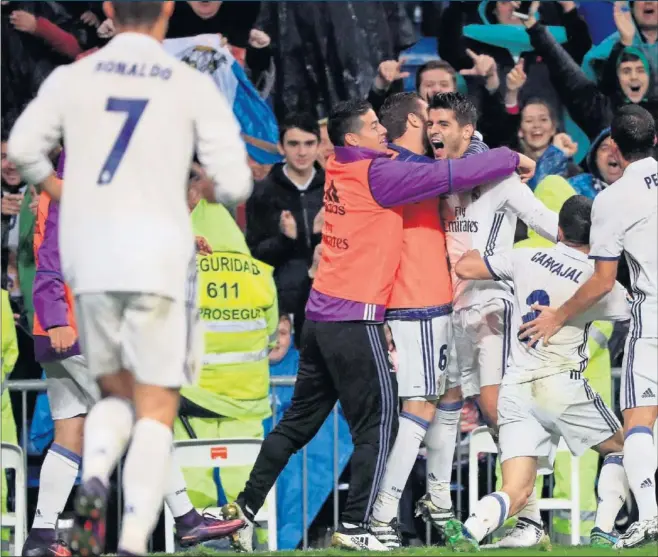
x=348, y=362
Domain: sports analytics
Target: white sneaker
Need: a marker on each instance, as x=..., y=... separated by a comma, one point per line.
x=242, y=541
x=356, y=538
x=526, y=533
x=639, y=533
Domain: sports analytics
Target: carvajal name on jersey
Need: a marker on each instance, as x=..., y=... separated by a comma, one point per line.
x=217, y=263
x=557, y=268
x=237, y=314
x=134, y=70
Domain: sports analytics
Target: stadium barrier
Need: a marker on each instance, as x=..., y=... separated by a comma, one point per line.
x=461, y=456
x=11, y=458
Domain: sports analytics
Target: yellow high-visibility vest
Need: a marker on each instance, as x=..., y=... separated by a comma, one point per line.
x=236, y=297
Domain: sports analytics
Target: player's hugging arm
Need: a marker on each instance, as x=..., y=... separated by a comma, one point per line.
x=36, y=133
x=472, y=266
x=500, y=266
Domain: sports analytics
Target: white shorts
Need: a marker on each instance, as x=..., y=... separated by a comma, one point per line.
x=639, y=380
x=156, y=338
x=72, y=391
x=482, y=336
x=533, y=416
x=423, y=349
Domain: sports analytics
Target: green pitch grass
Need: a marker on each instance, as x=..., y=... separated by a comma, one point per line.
x=557, y=551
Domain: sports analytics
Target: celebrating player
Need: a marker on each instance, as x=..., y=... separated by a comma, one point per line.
x=483, y=219
x=131, y=117
x=418, y=314
x=625, y=219
x=543, y=396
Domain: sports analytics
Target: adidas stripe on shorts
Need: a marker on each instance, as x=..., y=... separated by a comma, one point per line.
x=639, y=373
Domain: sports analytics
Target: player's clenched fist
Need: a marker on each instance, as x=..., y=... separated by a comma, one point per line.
x=288, y=225
x=62, y=338
x=526, y=167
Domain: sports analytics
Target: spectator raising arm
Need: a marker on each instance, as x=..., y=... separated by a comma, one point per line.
x=587, y=105
x=62, y=42
x=389, y=80
x=579, y=40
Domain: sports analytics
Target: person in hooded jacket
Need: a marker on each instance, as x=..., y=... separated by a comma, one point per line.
x=502, y=40
x=590, y=107
x=284, y=214
x=643, y=17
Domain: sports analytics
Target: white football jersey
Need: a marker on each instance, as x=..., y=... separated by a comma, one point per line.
x=485, y=219
x=549, y=277
x=625, y=219
x=131, y=118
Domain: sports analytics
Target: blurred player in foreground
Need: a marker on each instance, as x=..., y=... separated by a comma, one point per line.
x=131, y=117
x=625, y=220
x=543, y=396
x=72, y=392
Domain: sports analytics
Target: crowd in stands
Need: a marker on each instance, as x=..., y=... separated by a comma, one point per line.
x=541, y=85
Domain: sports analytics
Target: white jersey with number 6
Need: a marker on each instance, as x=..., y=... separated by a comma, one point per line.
x=131, y=118
x=549, y=277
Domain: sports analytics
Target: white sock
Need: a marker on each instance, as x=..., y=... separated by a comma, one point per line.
x=612, y=489
x=145, y=477
x=441, y=440
x=176, y=495
x=531, y=510
x=58, y=474
x=490, y=513
x=400, y=462
x=640, y=463
x=107, y=432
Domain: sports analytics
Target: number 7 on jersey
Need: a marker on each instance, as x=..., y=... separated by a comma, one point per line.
x=134, y=108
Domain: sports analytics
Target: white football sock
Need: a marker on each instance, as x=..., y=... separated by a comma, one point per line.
x=490, y=513
x=640, y=463
x=58, y=473
x=612, y=489
x=176, y=495
x=440, y=441
x=145, y=477
x=107, y=432
x=400, y=462
x=531, y=510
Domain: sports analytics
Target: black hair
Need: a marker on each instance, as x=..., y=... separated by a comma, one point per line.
x=302, y=121
x=137, y=13
x=344, y=119
x=435, y=65
x=633, y=129
x=395, y=111
x=464, y=109
x=575, y=219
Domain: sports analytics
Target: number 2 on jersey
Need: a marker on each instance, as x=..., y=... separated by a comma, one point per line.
x=134, y=108
x=540, y=297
